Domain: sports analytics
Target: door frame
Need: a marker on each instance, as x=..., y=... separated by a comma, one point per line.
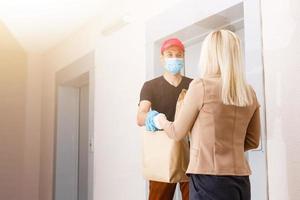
x=159, y=28
x=72, y=77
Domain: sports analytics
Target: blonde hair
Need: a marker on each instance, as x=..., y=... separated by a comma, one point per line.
x=221, y=55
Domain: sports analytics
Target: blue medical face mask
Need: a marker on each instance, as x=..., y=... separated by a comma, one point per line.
x=174, y=65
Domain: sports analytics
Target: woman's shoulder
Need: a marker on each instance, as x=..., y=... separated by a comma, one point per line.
x=252, y=91
x=253, y=94
x=196, y=86
x=196, y=82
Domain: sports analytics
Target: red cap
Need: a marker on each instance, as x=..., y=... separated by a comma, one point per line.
x=171, y=42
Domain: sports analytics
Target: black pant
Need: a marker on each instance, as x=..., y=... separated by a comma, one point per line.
x=209, y=187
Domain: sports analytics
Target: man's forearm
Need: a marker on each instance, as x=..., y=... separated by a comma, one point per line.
x=141, y=117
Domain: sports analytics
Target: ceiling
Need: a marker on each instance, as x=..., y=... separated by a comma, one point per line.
x=41, y=24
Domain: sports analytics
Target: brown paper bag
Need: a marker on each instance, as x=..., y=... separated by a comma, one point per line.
x=164, y=159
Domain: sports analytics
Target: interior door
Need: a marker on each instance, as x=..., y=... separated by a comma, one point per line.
x=74, y=156
x=83, y=149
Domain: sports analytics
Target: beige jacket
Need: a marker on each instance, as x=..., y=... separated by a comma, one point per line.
x=220, y=134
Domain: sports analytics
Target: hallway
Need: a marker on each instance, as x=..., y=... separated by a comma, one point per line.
x=71, y=75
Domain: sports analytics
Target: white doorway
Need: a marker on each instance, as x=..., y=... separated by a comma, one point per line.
x=242, y=17
x=74, y=155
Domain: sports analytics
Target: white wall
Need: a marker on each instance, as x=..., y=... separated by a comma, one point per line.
x=120, y=73
x=281, y=30
x=18, y=160
x=31, y=152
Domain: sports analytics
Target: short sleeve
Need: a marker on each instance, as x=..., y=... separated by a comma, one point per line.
x=146, y=93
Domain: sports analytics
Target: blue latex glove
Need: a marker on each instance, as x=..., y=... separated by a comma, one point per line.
x=150, y=126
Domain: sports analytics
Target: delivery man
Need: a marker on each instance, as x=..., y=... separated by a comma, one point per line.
x=160, y=95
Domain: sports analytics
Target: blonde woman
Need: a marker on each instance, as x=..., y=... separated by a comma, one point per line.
x=222, y=112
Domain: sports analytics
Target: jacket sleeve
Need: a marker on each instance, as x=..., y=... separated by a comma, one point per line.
x=188, y=113
x=253, y=132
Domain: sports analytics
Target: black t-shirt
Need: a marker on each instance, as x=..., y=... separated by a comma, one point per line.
x=162, y=95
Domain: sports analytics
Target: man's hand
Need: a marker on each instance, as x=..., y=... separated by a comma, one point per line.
x=150, y=125
x=149, y=118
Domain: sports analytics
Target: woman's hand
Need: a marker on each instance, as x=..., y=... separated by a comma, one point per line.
x=159, y=120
